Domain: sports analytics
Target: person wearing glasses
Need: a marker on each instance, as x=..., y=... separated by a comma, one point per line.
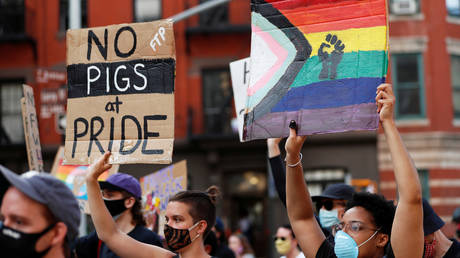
x=368, y=224
x=286, y=244
x=332, y=202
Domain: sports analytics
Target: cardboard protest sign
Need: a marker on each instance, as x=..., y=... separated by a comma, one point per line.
x=30, y=122
x=240, y=81
x=121, y=93
x=318, y=62
x=159, y=186
x=74, y=177
x=164, y=183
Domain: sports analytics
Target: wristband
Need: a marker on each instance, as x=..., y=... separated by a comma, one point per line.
x=296, y=164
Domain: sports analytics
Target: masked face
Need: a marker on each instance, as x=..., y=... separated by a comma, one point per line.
x=14, y=243
x=115, y=207
x=328, y=218
x=345, y=245
x=282, y=245
x=179, y=238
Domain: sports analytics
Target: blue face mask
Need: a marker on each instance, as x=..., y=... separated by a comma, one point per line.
x=346, y=247
x=328, y=218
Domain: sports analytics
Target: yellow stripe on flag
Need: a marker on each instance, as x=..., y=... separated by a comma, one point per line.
x=363, y=39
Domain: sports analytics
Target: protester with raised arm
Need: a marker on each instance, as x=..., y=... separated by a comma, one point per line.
x=190, y=215
x=367, y=225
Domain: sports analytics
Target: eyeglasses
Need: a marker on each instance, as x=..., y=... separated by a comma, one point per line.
x=275, y=238
x=353, y=227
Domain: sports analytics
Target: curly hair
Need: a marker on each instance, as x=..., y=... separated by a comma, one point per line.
x=202, y=205
x=382, y=211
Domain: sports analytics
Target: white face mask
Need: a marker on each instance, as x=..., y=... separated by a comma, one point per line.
x=345, y=245
x=328, y=218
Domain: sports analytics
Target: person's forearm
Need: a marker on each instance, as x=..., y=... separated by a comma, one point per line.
x=279, y=177
x=273, y=149
x=406, y=176
x=103, y=222
x=299, y=205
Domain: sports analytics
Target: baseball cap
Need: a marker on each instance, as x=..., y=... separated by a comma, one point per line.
x=47, y=190
x=122, y=181
x=336, y=191
x=431, y=221
x=456, y=215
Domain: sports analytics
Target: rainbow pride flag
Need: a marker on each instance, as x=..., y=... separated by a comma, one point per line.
x=318, y=62
x=74, y=177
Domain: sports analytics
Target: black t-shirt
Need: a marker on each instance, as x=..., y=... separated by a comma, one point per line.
x=326, y=250
x=453, y=251
x=87, y=246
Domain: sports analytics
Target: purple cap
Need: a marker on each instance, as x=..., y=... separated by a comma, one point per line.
x=122, y=181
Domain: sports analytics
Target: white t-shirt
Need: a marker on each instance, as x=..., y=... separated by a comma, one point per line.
x=301, y=255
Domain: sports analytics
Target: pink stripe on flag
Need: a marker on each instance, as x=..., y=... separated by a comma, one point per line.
x=276, y=48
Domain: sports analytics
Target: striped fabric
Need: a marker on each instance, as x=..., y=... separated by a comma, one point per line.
x=318, y=62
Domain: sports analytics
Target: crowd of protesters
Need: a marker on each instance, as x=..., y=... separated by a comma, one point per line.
x=40, y=216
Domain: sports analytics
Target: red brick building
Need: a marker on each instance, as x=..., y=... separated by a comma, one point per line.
x=425, y=69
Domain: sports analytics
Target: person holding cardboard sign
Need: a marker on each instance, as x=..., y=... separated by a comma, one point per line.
x=122, y=196
x=190, y=215
x=367, y=225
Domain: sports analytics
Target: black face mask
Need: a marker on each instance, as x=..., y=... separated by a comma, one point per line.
x=115, y=207
x=14, y=243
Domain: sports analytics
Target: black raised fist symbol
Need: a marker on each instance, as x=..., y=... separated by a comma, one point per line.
x=333, y=59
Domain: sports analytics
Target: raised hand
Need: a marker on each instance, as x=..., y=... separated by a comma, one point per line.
x=98, y=167
x=385, y=101
x=294, y=144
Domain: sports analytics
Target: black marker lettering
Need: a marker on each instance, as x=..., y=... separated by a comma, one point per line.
x=93, y=136
x=117, y=50
x=102, y=48
x=123, y=137
x=76, y=134
x=148, y=134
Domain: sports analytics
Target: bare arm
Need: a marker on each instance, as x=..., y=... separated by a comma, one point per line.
x=117, y=241
x=273, y=147
x=407, y=232
x=299, y=204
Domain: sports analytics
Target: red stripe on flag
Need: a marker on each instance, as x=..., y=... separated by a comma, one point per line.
x=325, y=15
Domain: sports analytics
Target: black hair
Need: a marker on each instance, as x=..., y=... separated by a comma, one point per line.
x=288, y=226
x=136, y=209
x=211, y=240
x=201, y=205
x=382, y=211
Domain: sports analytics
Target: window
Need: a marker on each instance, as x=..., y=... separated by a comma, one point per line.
x=147, y=10
x=12, y=130
x=455, y=75
x=11, y=17
x=64, y=14
x=214, y=17
x=408, y=85
x=404, y=7
x=424, y=176
x=453, y=7
x=217, y=101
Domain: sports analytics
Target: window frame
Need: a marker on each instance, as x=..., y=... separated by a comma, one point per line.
x=397, y=85
x=417, y=11
x=424, y=176
x=453, y=15
x=153, y=18
x=454, y=87
x=206, y=129
x=19, y=82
